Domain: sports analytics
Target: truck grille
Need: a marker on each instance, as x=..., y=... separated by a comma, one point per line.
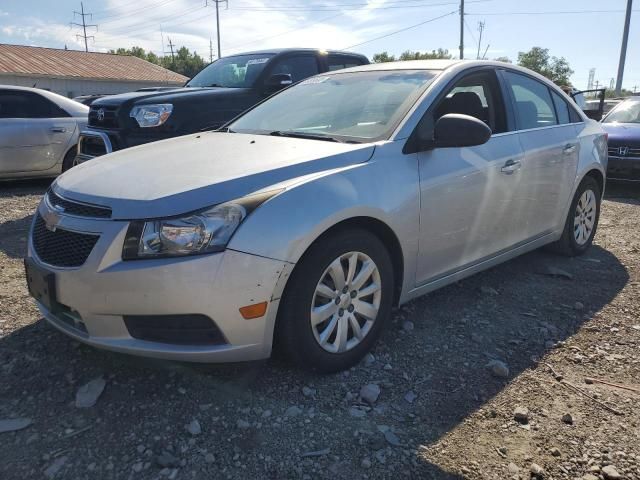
x=61, y=248
x=622, y=151
x=103, y=116
x=76, y=208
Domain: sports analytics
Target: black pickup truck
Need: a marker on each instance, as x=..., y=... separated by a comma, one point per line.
x=217, y=94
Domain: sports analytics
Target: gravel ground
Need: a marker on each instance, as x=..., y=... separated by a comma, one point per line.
x=483, y=379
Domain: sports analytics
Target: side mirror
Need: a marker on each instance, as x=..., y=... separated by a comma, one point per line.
x=278, y=81
x=456, y=130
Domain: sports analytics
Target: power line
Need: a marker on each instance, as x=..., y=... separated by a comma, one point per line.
x=84, y=26
x=563, y=12
x=402, y=30
x=359, y=7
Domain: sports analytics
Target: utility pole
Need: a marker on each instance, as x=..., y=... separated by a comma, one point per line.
x=623, y=48
x=597, y=84
x=462, y=29
x=218, y=2
x=481, y=29
x=210, y=50
x=171, y=47
x=84, y=26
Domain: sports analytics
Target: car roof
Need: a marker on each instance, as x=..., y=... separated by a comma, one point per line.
x=278, y=51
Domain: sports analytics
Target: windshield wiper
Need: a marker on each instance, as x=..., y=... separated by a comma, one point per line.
x=310, y=136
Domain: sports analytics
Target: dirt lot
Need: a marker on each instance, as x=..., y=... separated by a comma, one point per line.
x=441, y=413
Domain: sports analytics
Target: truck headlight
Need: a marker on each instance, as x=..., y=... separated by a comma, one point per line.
x=151, y=115
x=204, y=231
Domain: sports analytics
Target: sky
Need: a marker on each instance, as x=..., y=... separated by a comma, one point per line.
x=587, y=33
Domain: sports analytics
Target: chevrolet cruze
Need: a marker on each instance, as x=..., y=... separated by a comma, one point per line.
x=304, y=221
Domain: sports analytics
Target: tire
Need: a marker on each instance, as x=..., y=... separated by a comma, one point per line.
x=575, y=241
x=311, y=286
x=69, y=160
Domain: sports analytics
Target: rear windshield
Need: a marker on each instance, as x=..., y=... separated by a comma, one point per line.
x=362, y=106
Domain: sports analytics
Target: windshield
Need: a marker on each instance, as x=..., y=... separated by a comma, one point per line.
x=625, y=112
x=361, y=106
x=233, y=72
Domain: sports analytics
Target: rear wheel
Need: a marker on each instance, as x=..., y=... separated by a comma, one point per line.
x=69, y=160
x=337, y=302
x=582, y=220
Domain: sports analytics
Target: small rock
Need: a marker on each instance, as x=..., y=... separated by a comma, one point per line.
x=589, y=476
x=167, y=460
x=407, y=326
x=88, y=394
x=537, y=471
x=53, y=469
x=410, y=397
x=513, y=468
x=293, y=411
x=13, y=424
x=579, y=306
x=610, y=473
x=366, y=463
x=488, y=290
x=243, y=424
x=369, y=359
x=357, y=412
x=555, y=452
x=498, y=369
x=567, y=418
x=137, y=467
x=209, y=458
x=308, y=392
x=521, y=415
x=387, y=366
x=266, y=414
x=317, y=453
x=194, y=427
x=392, y=438
x=370, y=393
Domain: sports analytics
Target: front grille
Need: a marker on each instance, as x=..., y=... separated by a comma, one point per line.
x=632, y=153
x=175, y=329
x=109, y=116
x=72, y=207
x=61, y=248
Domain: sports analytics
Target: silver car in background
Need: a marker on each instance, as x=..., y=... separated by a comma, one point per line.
x=38, y=132
x=302, y=223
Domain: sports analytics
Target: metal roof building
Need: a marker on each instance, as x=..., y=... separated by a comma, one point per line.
x=72, y=72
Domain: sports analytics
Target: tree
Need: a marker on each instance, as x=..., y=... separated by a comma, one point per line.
x=183, y=62
x=503, y=59
x=441, y=53
x=383, y=57
x=554, y=68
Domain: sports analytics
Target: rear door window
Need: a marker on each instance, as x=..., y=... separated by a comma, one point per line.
x=532, y=102
x=299, y=67
x=22, y=104
x=562, y=109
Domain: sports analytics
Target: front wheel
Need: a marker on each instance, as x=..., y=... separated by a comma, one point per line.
x=582, y=220
x=337, y=302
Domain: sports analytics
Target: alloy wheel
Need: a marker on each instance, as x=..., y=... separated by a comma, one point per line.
x=585, y=217
x=346, y=302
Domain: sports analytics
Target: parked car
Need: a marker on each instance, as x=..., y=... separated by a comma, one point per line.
x=89, y=99
x=623, y=126
x=307, y=218
x=38, y=132
x=214, y=96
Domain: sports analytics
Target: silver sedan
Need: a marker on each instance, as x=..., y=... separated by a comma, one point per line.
x=38, y=132
x=301, y=224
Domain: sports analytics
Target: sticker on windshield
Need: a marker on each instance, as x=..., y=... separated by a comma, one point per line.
x=312, y=80
x=255, y=61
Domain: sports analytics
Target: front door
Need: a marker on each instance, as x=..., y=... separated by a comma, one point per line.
x=470, y=197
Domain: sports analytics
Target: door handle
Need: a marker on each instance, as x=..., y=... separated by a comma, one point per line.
x=569, y=148
x=58, y=129
x=511, y=166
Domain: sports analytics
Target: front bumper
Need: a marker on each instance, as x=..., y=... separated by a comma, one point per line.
x=105, y=289
x=621, y=168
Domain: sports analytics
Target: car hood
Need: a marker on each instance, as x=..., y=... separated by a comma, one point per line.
x=183, y=174
x=623, y=133
x=164, y=95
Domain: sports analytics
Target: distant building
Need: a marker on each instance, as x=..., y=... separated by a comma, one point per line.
x=72, y=72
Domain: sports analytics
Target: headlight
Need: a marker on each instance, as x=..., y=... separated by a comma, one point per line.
x=151, y=115
x=205, y=231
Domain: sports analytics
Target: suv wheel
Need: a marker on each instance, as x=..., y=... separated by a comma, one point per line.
x=337, y=302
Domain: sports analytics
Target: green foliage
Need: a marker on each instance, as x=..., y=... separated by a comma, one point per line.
x=183, y=61
x=611, y=93
x=554, y=68
x=503, y=59
x=411, y=55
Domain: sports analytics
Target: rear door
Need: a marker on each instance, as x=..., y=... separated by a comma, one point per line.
x=34, y=132
x=551, y=149
x=470, y=197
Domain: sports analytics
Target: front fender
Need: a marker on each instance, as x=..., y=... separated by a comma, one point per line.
x=386, y=188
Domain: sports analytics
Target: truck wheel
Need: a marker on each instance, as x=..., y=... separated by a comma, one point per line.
x=337, y=302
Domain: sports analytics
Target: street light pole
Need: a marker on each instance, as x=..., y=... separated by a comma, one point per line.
x=462, y=29
x=623, y=49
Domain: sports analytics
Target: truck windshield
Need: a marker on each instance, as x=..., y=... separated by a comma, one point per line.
x=625, y=112
x=358, y=106
x=239, y=71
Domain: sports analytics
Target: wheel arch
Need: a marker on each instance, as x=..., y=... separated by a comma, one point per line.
x=598, y=176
